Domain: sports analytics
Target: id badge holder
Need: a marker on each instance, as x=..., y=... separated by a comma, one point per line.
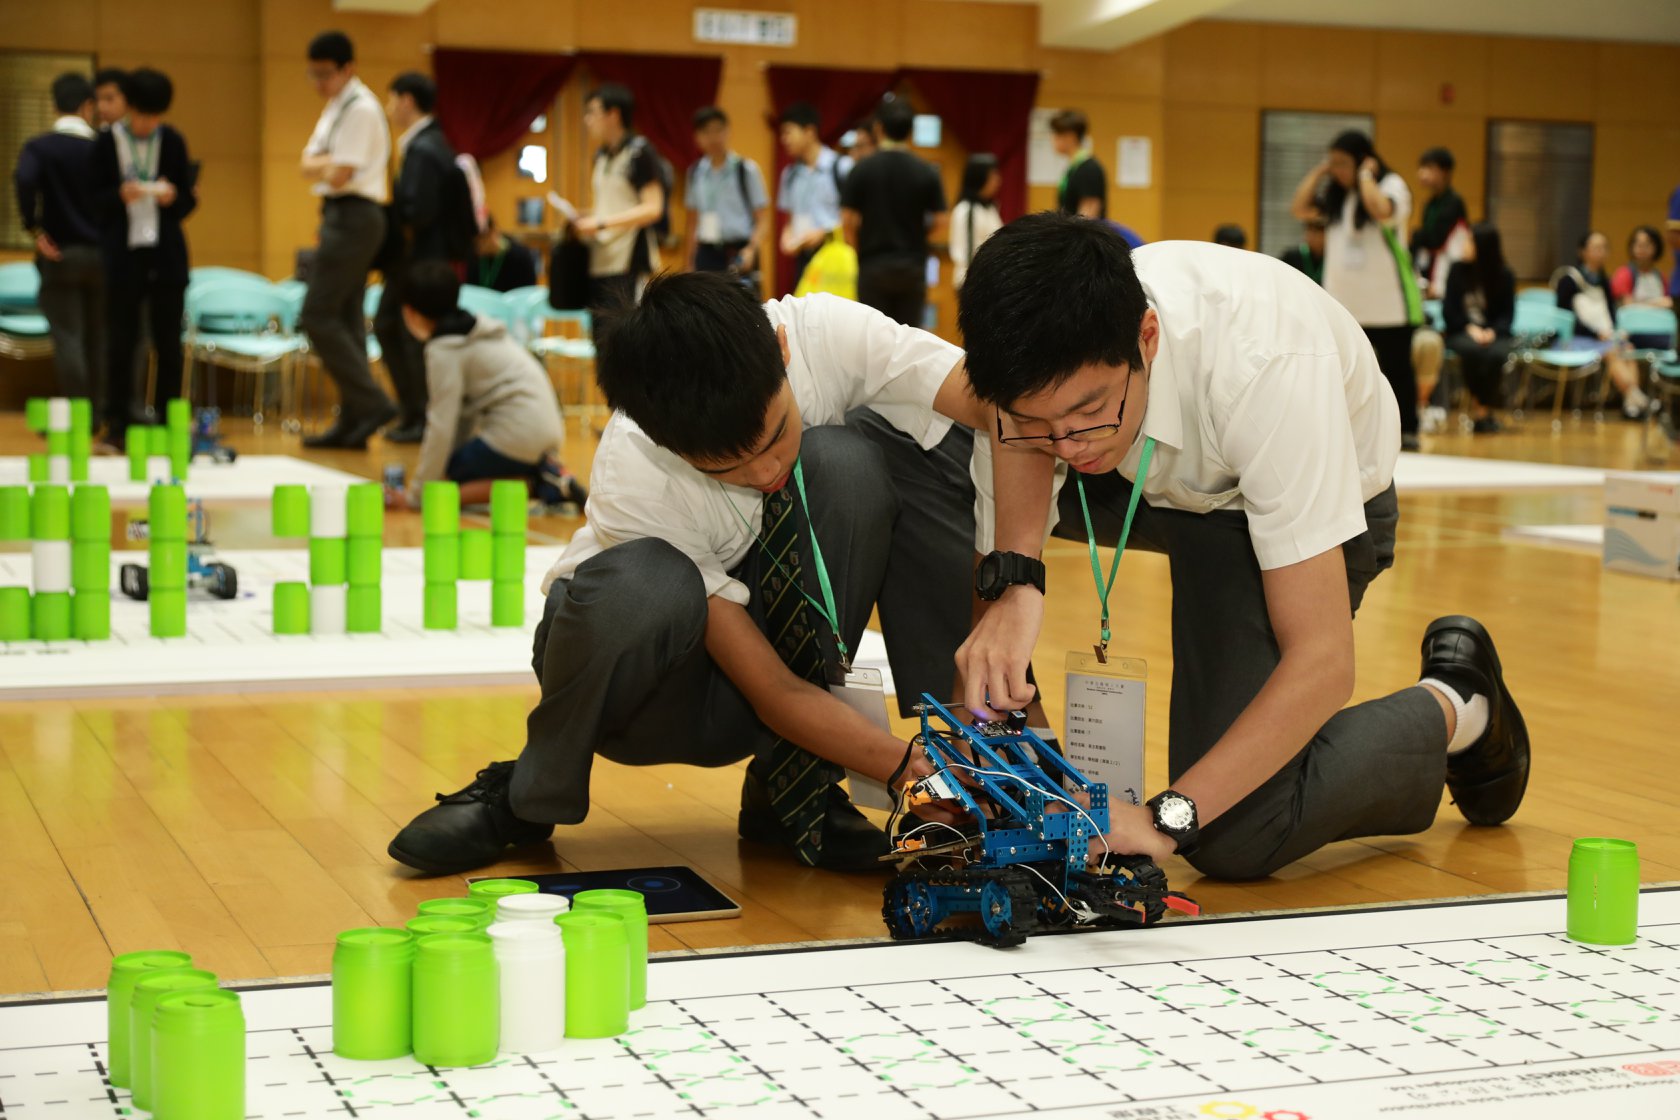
x=1105, y=714
x=861, y=690
x=709, y=230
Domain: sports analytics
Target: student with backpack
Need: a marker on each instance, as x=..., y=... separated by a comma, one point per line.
x=430, y=219
x=630, y=188
x=728, y=209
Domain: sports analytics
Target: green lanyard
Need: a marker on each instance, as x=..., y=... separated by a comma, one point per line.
x=495, y=268
x=145, y=172
x=826, y=608
x=1104, y=587
x=1074, y=161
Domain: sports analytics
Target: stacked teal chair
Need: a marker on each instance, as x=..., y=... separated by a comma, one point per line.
x=23, y=329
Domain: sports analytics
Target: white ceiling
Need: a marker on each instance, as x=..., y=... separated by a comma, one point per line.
x=1107, y=24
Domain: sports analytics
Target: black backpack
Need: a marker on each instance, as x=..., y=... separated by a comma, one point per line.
x=667, y=181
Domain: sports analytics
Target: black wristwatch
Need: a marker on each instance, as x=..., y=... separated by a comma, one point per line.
x=1175, y=816
x=999, y=571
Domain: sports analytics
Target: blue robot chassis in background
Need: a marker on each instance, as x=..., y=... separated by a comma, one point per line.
x=1022, y=865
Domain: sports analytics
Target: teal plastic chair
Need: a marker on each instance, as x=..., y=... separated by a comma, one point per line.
x=486, y=303
x=1648, y=321
x=1433, y=315
x=1547, y=332
x=23, y=329
x=1544, y=296
x=531, y=315
x=240, y=326
x=214, y=272
x=20, y=286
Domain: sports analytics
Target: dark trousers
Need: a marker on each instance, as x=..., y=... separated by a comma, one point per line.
x=133, y=286
x=1483, y=366
x=404, y=358
x=352, y=231
x=1375, y=769
x=476, y=460
x=621, y=651
x=73, y=301
x=896, y=288
x=1394, y=354
x=717, y=258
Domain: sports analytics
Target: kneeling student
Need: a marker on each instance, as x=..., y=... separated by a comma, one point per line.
x=490, y=411
x=741, y=529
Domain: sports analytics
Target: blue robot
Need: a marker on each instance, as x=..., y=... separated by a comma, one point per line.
x=1023, y=864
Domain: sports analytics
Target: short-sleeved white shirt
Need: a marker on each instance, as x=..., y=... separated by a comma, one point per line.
x=1264, y=396
x=1360, y=269
x=842, y=355
x=353, y=132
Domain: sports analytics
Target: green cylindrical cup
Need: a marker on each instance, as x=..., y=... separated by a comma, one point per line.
x=364, y=509
x=78, y=461
x=475, y=554
x=90, y=615
x=490, y=890
x=373, y=994
x=119, y=993
x=178, y=414
x=35, y=413
x=137, y=448
x=632, y=907
x=157, y=440
x=424, y=925
x=507, y=603
x=363, y=612
x=14, y=614
x=365, y=557
x=198, y=1056
x=441, y=557
x=440, y=509
x=440, y=607
x=49, y=513
x=58, y=445
x=167, y=561
x=168, y=613
x=509, y=501
x=81, y=415
x=479, y=910
x=457, y=1005
x=14, y=514
x=166, y=514
x=597, y=973
x=1604, y=891
x=291, y=608
x=49, y=616
x=328, y=560
x=90, y=514
x=143, y=1005
x=507, y=558
x=90, y=566
x=290, y=515
x=40, y=470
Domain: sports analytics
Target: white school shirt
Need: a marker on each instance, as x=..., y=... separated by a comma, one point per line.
x=986, y=223
x=353, y=132
x=1264, y=396
x=842, y=354
x=1360, y=269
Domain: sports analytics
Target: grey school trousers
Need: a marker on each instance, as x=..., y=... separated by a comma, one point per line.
x=621, y=651
x=1375, y=769
x=352, y=230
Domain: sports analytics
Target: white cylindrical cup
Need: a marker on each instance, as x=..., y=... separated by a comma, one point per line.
x=58, y=469
x=531, y=963
x=329, y=608
x=51, y=560
x=538, y=907
x=329, y=514
x=58, y=414
x=159, y=471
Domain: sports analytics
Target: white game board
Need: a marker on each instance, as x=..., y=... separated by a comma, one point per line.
x=1474, y=1011
x=231, y=645
x=248, y=479
x=1432, y=474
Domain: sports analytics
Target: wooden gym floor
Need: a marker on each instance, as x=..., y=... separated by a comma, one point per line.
x=251, y=829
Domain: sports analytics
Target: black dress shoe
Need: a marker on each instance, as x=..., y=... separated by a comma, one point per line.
x=850, y=842
x=352, y=435
x=405, y=432
x=1487, y=778
x=466, y=829
x=1410, y=442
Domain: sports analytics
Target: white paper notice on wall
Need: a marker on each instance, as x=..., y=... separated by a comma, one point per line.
x=1044, y=166
x=1132, y=161
x=753, y=29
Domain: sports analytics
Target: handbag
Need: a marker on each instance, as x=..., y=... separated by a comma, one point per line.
x=832, y=269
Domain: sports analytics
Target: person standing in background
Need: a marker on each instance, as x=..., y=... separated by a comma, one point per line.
x=1480, y=305
x=428, y=220
x=975, y=216
x=108, y=100
x=728, y=208
x=891, y=205
x=809, y=191
x=1231, y=236
x=860, y=145
x=53, y=180
x=142, y=183
x=628, y=198
x=1365, y=207
x=1445, y=231
x=1084, y=187
x=1308, y=256
x=348, y=160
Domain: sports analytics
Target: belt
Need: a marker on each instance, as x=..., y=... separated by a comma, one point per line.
x=343, y=198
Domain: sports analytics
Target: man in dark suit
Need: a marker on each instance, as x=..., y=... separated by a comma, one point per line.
x=143, y=189
x=428, y=222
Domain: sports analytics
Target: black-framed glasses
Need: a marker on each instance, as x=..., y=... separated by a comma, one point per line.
x=1078, y=435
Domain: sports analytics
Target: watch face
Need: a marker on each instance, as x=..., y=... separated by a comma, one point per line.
x=1175, y=813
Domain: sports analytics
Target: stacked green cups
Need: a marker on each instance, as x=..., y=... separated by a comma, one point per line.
x=373, y=993
x=493, y=890
x=365, y=519
x=509, y=509
x=198, y=1056
x=49, y=517
x=597, y=973
x=440, y=513
x=478, y=910
x=444, y=923
x=632, y=907
x=148, y=990
x=167, y=578
x=457, y=1005
x=90, y=562
x=119, y=994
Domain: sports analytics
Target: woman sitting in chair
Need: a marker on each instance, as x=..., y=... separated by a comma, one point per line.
x=1582, y=288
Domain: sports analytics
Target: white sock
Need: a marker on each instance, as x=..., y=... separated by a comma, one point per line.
x=1470, y=717
x=1635, y=401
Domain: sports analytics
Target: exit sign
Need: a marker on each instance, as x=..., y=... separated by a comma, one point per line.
x=753, y=29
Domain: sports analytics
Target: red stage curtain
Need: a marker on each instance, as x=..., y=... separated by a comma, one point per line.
x=488, y=99
x=987, y=111
x=668, y=89
x=840, y=97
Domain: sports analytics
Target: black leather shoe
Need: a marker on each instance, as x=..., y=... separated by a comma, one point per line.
x=467, y=829
x=1487, y=778
x=405, y=432
x=352, y=435
x=850, y=841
